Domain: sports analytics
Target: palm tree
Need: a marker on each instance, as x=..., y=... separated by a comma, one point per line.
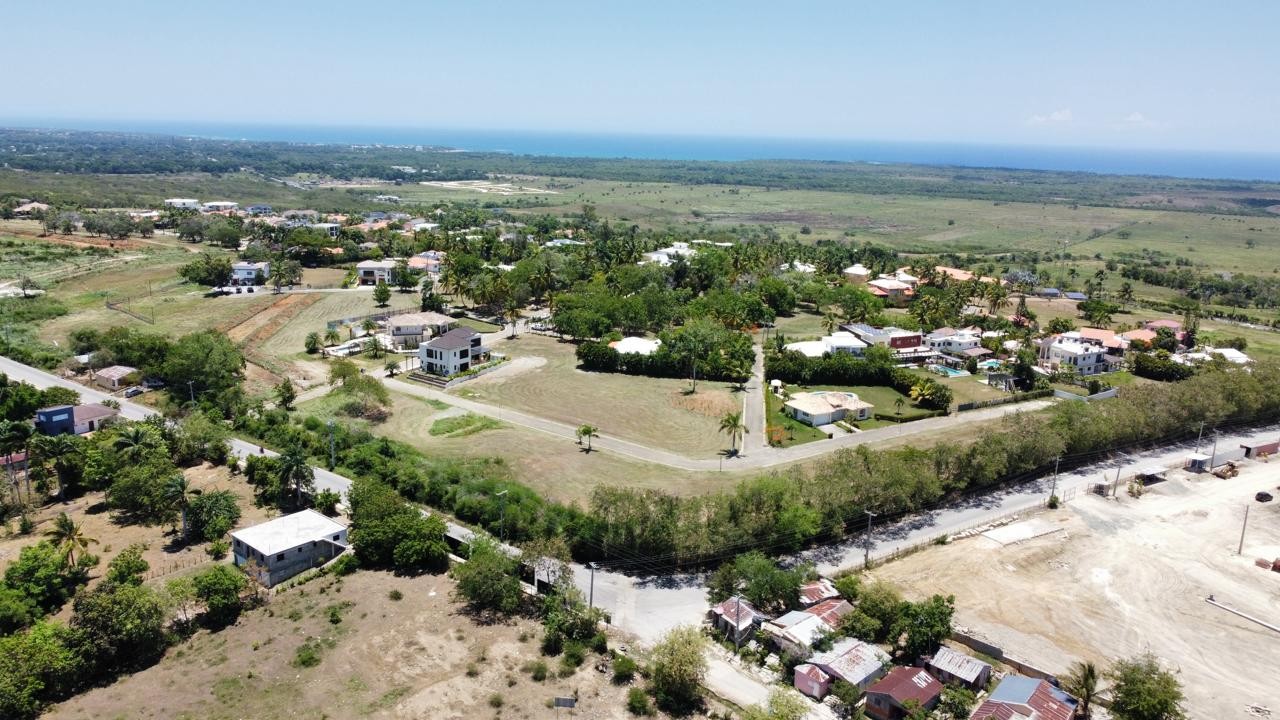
x=68, y=538
x=997, y=297
x=1082, y=681
x=392, y=367
x=312, y=343
x=511, y=311
x=588, y=432
x=369, y=326
x=133, y=442
x=830, y=322
x=15, y=436
x=58, y=449
x=332, y=336
x=1126, y=292
x=178, y=492
x=898, y=403
x=732, y=424
x=296, y=471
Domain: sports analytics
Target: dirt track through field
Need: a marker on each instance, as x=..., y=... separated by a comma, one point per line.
x=265, y=323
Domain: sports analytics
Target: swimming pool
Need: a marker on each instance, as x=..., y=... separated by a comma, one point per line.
x=949, y=372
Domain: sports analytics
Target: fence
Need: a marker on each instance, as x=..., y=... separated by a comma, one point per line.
x=119, y=306
x=357, y=320
x=996, y=652
x=1015, y=398
x=1105, y=394
x=173, y=567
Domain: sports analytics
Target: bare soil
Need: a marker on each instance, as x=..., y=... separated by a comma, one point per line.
x=422, y=656
x=1128, y=575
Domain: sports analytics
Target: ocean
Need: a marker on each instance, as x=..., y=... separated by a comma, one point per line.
x=1174, y=163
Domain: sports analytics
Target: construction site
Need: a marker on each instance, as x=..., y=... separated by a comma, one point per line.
x=1183, y=563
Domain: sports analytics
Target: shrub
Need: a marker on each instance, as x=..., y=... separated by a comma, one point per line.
x=495, y=700
x=395, y=595
x=638, y=702
x=217, y=549
x=624, y=669
x=537, y=670
x=345, y=565
x=306, y=656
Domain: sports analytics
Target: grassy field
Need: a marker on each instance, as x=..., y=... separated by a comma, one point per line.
x=972, y=388
x=793, y=431
x=653, y=411
x=554, y=467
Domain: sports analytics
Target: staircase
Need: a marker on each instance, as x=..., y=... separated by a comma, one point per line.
x=434, y=381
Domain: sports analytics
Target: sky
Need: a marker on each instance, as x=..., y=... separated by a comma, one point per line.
x=1125, y=74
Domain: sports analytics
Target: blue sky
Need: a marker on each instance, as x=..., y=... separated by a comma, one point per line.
x=1203, y=76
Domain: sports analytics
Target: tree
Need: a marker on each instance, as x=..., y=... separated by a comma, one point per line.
x=42, y=577
x=1126, y=292
x=295, y=471
x=67, y=536
x=1143, y=690
x=332, y=337
x=677, y=669
x=487, y=580
x=830, y=322
x=430, y=301
x=209, y=361
x=178, y=492
x=285, y=272
x=210, y=270
x=957, y=702
x=782, y=705
x=923, y=625
x=219, y=588
x=381, y=293
x=1082, y=682
x=312, y=343
x=588, y=432
x=37, y=667
x=695, y=342
x=406, y=277
x=120, y=627
x=1060, y=325
x=732, y=424
x=285, y=394
x=881, y=602
x=392, y=367
x=64, y=452
x=127, y=567
x=136, y=441
x=760, y=580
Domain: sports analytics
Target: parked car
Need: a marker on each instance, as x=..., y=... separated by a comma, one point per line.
x=153, y=383
x=133, y=391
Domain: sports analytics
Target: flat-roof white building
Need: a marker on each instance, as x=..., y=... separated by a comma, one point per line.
x=288, y=545
x=247, y=273
x=183, y=203
x=220, y=206
x=840, y=341
x=636, y=346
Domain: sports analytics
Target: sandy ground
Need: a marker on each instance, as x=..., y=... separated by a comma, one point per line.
x=1123, y=576
x=419, y=657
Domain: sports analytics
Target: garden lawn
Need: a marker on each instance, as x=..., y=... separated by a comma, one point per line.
x=793, y=432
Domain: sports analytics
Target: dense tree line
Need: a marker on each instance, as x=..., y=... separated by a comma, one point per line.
x=1236, y=290
x=845, y=369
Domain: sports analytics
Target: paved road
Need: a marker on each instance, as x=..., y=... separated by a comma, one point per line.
x=754, y=459
x=753, y=415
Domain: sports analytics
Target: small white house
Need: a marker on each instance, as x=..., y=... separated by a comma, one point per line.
x=331, y=229
x=114, y=377
x=288, y=545
x=410, y=329
x=183, y=203
x=841, y=341
x=666, y=256
x=856, y=274
x=247, y=273
x=826, y=407
x=372, y=272
x=220, y=206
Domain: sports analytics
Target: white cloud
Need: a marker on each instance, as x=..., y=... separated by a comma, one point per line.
x=1137, y=119
x=1057, y=117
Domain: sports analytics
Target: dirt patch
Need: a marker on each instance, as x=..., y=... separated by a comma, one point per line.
x=418, y=657
x=266, y=322
x=711, y=405
x=1124, y=576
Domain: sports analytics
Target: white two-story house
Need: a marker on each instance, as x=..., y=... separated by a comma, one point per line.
x=247, y=273
x=1088, y=356
x=456, y=351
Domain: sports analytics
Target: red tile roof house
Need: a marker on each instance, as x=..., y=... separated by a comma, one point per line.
x=888, y=698
x=1024, y=698
x=737, y=620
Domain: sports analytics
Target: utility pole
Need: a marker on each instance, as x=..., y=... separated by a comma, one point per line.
x=591, y=593
x=502, y=529
x=1115, y=487
x=737, y=621
x=1214, y=456
x=1053, y=489
x=191, y=389
x=1199, y=437
x=333, y=462
x=1243, y=525
x=866, y=558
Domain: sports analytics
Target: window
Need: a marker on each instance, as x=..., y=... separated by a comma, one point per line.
x=280, y=556
x=335, y=537
x=299, y=549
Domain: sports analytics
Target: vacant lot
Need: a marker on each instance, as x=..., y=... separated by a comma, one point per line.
x=553, y=466
x=1129, y=575
x=652, y=411
x=165, y=555
x=421, y=656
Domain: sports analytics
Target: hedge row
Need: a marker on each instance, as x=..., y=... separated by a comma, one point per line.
x=845, y=369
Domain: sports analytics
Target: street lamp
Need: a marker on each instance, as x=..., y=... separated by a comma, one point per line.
x=502, y=528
